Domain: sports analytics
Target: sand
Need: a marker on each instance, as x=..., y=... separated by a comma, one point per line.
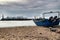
x=29, y=33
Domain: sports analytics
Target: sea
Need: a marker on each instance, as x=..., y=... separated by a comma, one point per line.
x=4, y=24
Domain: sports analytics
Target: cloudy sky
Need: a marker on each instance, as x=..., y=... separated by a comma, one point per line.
x=27, y=7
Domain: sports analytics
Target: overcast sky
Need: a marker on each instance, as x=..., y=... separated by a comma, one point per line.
x=27, y=7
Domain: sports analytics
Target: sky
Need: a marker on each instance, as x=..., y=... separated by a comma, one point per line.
x=27, y=8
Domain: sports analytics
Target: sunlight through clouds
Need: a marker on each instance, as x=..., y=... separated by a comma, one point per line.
x=9, y=1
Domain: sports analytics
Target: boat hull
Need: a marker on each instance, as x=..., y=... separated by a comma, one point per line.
x=46, y=22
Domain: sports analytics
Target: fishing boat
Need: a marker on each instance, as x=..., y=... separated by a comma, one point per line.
x=48, y=22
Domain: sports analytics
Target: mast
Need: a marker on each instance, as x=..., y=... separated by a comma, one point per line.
x=58, y=14
x=2, y=16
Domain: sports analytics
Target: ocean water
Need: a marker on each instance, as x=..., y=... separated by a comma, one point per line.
x=16, y=23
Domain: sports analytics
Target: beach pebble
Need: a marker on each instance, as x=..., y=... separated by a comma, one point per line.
x=53, y=29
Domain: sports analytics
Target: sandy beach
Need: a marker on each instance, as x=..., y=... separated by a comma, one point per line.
x=29, y=33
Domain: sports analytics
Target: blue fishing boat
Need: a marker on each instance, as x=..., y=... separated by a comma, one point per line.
x=46, y=22
x=52, y=21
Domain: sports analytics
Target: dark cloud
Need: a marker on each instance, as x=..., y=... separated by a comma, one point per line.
x=31, y=6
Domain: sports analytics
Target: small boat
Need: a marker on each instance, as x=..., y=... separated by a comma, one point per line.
x=52, y=21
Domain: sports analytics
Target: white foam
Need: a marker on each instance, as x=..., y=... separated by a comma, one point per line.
x=4, y=24
x=16, y=23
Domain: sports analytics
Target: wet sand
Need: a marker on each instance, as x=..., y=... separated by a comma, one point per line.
x=29, y=33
